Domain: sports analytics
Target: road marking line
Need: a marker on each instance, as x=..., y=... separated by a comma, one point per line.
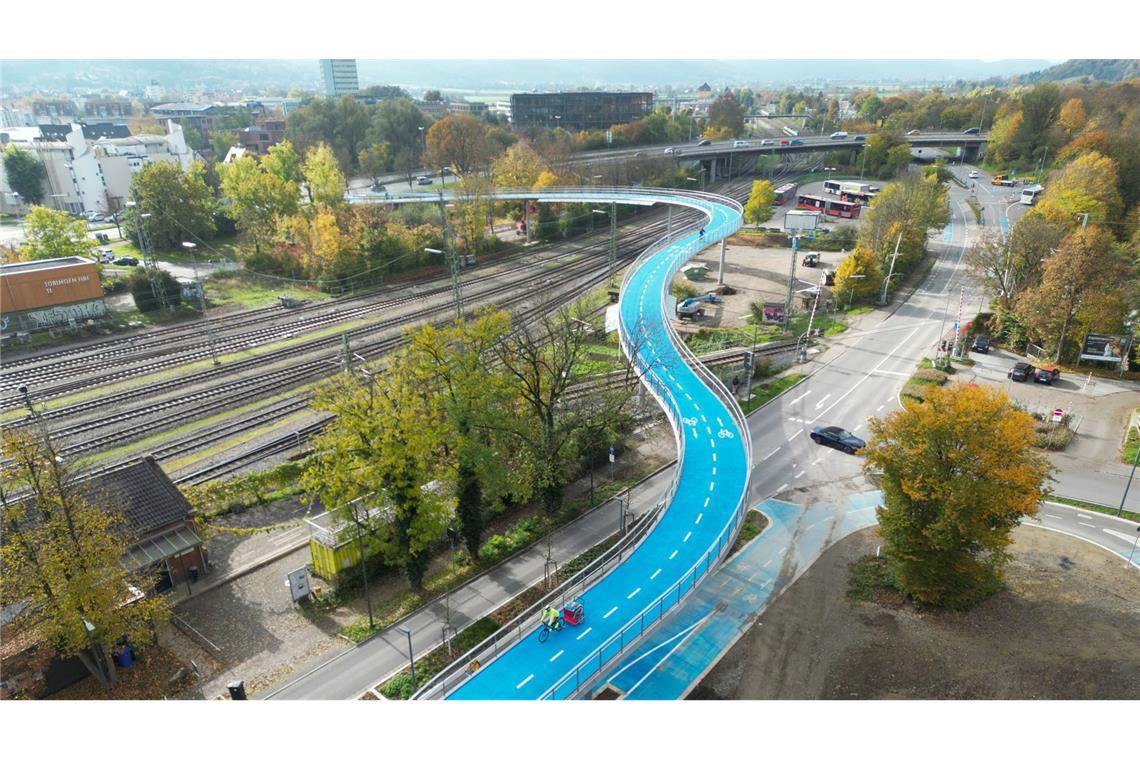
x=636, y=591
x=714, y=456
x=719, y=421
x=1087, y=525
x=863, y=379
x=714, y=471
x=712, y=486
x=1054, y=517
x=687, y=537
x=856, y=430
x=707, y=499
x=524, y=681
x=813, y=464
x=799, y=398
x=655, y=573
x=889, y=372
x=766, y=564
x=822, y=401
x=688, y=397
x=699, y=516
x=583, y=633
x=1087, y=517
x=609, y=613
x=674, y=554
x=795, y=434
x=703, y=418
x=765, y=459
x=698, y=408
x=880, y=407
x=782, y=551
x=1118, y=534
x=708, y=429
x=695, y=434
x=712, y=443
x=800, y=474
x=781, y=488
x=555, y=657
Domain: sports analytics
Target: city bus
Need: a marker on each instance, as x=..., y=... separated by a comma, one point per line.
x=844, y=209
x=1030, y=194
x=863, y=199
x=811, y=202
x=831, y=186
x=785, y=193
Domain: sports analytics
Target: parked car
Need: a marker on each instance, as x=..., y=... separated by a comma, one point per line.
x=811, y=260
x=705, y=142
x=974, y=174
x=1021, y=372
x=837, y=438
x=1046, y=373
x=971, y=131
x=126, y=261
x=445, y=171
x=106, y=255
x=422, y=180
x=981, y=344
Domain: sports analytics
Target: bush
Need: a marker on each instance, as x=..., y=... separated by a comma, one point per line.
x=504, y=544
x=929, y=377
x=399, y=686
x=139, y=283
x=683, y=290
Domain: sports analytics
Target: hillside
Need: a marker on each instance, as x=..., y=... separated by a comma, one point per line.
x=1105, y=70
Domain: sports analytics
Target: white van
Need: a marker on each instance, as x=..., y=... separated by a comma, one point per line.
x=740, y=144
x=838, y=135
x=106, y=255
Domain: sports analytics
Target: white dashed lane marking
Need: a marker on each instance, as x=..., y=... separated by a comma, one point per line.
x=555, y=657
x=609, y=613
x=699, y=516
x=583, y=633
x=634, y=593
x=771, y=454
x=687, y=537
x=674, y=554
x=655, y=573
x=525, y=681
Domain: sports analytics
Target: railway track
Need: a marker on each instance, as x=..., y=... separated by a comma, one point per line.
x=221, y=397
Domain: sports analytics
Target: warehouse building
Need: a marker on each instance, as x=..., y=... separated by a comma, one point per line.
x=37, y=295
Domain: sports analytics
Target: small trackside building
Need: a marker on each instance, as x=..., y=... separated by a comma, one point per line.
x=37, y=295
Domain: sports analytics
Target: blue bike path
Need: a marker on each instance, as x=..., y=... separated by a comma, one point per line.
x=714, y=469
x=667, y=664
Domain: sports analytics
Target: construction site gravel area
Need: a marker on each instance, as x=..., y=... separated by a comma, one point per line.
x=1066, y=625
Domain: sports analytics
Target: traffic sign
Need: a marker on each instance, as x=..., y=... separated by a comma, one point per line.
x=1058, y=414
x=611, y=453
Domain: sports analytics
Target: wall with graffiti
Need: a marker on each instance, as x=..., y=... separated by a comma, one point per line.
x=66, y=315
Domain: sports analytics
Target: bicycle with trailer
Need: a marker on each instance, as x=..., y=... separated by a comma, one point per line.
x=572, y=613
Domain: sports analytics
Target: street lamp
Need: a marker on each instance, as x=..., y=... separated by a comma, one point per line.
x=829, y=170
x=411, y=657
x=851, y=292
x=202, y=299
x=592, y=212
x=453, y=266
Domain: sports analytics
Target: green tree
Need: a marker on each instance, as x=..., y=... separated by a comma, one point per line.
x=180, y=205
x=898, y=159
x=455, y=363
x=958, y=474
x=758, y=209
x=26, y=174
x=383, y=449
x=1087, y=184
x=61, y=553
x=222, y=141
x=1083, y=277
x=858, y=277
x=256, y=197
x=398, y=122
x=323, y=177
x=283, y=162
x=51, y=234
x=353, y=121
x=374, y=160
x=142, y=284
x=1040, y=108
x=726, y=113
x=914, y=203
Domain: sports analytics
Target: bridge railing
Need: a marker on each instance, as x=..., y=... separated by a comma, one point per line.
x=591, y=665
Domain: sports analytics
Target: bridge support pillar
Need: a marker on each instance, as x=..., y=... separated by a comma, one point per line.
x=720, y=275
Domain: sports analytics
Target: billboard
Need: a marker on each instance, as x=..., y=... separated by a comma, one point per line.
x=801, y=220
x=774, y=312
x=1106, y=348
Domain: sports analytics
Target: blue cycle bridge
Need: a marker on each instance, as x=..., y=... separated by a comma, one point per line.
x=634, y=585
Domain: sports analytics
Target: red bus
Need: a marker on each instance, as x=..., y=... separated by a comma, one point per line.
x=784, y=193
x=811, y=202
x=844, y=209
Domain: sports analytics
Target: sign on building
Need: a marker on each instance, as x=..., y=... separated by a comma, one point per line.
x=774, y=312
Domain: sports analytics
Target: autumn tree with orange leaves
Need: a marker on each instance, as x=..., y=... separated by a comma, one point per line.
x=958, y=473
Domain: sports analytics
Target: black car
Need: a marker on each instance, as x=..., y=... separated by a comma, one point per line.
x=981, y=344
x=705, y=142
x=1021, y=372
x=971, y=131
x=837, y=438
x=1046, y=373
x=127, y=261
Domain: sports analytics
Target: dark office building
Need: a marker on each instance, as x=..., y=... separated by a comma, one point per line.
x=578, y=111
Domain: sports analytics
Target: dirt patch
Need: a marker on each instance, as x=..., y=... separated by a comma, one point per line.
x=1066, y=626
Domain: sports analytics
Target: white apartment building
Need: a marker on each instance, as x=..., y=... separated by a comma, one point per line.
x=94, y=175
x=338, y=76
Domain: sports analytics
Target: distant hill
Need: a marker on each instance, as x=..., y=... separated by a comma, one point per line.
x=1104, y=70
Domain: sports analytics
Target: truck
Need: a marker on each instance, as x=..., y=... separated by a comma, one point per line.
x=838, y=135
x=1003, y=181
